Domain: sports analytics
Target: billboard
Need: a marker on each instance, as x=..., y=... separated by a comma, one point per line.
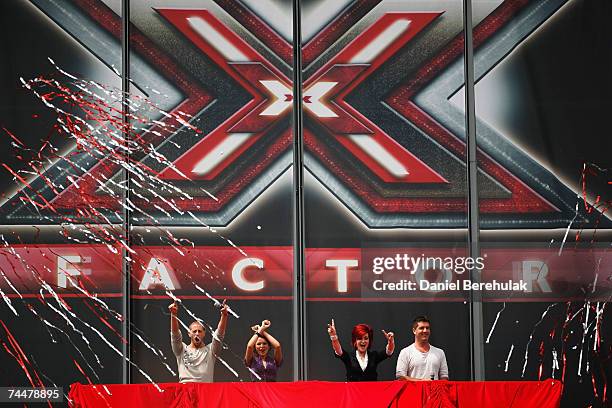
x=180, y=185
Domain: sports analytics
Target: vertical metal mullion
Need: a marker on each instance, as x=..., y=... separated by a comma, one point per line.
x=125, y=265
x=476, y=315
x=299, y=284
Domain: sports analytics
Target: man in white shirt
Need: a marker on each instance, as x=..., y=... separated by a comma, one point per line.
x=196, y=361
x=421, y=361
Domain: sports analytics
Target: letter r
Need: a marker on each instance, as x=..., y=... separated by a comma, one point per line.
x=536, y=271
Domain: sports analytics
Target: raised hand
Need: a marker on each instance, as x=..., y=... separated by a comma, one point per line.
x=173, y=308
x=331, y=328
x=265, y=324
x=389, y=336
x=174, y=326
x=224, y=308
x=255, y=328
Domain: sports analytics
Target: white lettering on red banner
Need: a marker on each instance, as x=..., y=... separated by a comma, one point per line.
x=358, y=274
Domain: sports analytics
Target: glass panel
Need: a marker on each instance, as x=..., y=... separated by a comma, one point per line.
x=543, y=131
x=386, y=177
x=215, y=213
x=61, y=275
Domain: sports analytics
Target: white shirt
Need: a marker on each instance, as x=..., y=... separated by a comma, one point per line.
x=413, y=363
x=363, y=361
x=194, y=365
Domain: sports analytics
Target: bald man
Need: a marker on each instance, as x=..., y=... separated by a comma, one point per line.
x=196, y=361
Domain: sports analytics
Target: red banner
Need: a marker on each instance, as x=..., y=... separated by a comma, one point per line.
x=357, y=274
x=423, y=394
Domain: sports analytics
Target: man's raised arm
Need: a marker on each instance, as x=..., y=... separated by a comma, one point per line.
x=220, y=332
x=174, y=326
x=176, y=339
x=222, y=320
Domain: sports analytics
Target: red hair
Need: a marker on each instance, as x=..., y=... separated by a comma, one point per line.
x=361, y=330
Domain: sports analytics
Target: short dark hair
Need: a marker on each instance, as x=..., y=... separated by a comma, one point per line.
x=419, y=319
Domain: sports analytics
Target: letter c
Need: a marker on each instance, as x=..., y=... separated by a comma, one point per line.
x=238, y=274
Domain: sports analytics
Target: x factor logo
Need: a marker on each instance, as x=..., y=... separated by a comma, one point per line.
x=379, y=131
x=323, y=96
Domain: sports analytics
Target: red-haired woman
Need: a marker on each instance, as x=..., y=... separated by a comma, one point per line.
x=362, y=363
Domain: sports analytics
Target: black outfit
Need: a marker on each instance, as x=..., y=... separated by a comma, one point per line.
x=353, y=369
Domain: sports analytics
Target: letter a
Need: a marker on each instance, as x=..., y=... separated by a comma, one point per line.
x=158, y=274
